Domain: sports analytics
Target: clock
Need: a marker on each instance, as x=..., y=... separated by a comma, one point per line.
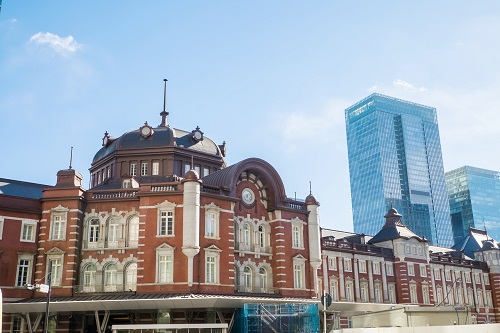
x=146, y=131
x=197, y=135
x=247, y=196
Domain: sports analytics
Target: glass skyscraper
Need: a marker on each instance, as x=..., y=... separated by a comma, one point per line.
x=395, y=160
x=474, y=196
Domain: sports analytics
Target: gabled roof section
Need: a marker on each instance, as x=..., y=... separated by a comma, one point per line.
x=394, y=229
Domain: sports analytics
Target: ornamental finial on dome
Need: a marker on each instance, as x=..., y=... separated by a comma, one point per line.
x=164, y=113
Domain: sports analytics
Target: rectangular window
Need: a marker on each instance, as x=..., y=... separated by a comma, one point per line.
x=489, y=299
x=28, y=231
x=144, y=169
x=476, y=278
x=486, y=278
x=425, y=295
x=296, y=236
x=390, y=268
x=334, y=290
x=411, y=269
x=56, y=275
x=58, y=227
x=364, y=291
x=166, y=225
x=378, y=293
x=210, y=270
x=18, y=325
x=439, y=296
x=206, y=171
x=332, y=263
x=133, y=169
x=413, y=294
x=187, y=167
x=362, y=266
x=447, y=275
x=197, y=169
x=23, y=272
x=156, y=169
x=467, y=277
x=347, y=265
x=210, y=224
x=392, y=293
x=437, y=274
x=298, y=270
x=349, y=291
x=423, y=271
x=376, y=268
x=165, y=268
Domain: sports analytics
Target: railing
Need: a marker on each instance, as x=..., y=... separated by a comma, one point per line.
x=125, y=193
x=100, y=288
x=256, y=290
x=328, y=244
x=290, y=203
x=164, y=188
x=457, y=261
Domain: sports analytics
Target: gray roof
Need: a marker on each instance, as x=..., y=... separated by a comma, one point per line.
x=17, y=188
x=393, y=229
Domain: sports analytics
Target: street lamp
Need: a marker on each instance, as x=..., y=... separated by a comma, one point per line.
x=44, y=288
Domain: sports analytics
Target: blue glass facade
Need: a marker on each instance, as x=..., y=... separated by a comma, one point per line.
x=395, y=159
x=474, y=196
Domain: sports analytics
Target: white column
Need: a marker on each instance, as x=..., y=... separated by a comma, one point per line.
x=191, y=224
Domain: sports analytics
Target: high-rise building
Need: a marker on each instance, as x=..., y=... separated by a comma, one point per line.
x=474, y=196
x=395, y=161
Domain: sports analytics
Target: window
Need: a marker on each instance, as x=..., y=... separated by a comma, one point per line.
x=299, y=272
x=411, y=269
x=378, y=293
x=486, y=278
x=133, y=169
x=89, y=278
x=376, y=268
x=156, y=169
x=166, y=223
x=460, y=295
x=28, y=231
x=164, y=264
x=439, y=296
x=437, y=274
x=423, y=270
x=165, y=268
x=206, y=171
x=390, y=268
x=262, y=236
x=420, y=250
x=297, y=233
x=362, y=266
x=114, y=231
x=18, y=325
x=110, y=277
x=447, y=275
x=187, y=167
x=334, y=289
x=347, y=265
x=414, y=249
x=476, y=278
x=210, y=224
x=246, y=235
x=332, y=263
x=133, y=231
x=363, y=286
x=425, y=295
x=449, y=295
x=144, y=169
x=247, y=278
x=131, y=277
x=263, y=278
x=23, y=270
x=407, y=249
x=212, y=267
x=413, y=293
x=93, y=233
x=470, y=296
x=467, y=277
x=480, y=300
x=391, y=288
x=58, y=226
x=56, y=276
x=349, y=291
x=489, y=299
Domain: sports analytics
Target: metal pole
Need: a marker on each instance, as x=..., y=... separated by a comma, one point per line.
x=49, y=275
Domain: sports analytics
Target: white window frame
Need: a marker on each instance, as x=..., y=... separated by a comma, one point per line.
x=376, y=268
x=133, y=231
x=165, y=253
x=437, y=274
x=334, y=289
x=28, y=225
x=263, y=275
x=212, y=216
x=89, y=278
x=110, y=277
x=166, y=211
x=297, y=234
x=93, y=232
x=467, y=277
x=212, y=265
x=489, y=299
x=447, y=275
x=413, y=293
x=423, y=271
x=391, y=289
x=58, y=224
x=349, y=290
x=144, y=168
x=332, y=263
x=114, y=231
x=363, y=291
x=486, y=278
x=247, y=278
x=439, y=295
x=299, y=277
x=57, y=264
x=425, y=295
x=362, y=266
x=133, y=169
x=131, y=277
x=411, y=269
x=347, y=264
x=389, y=266
x=378, y=292
x=155, y=168
x=27, y=266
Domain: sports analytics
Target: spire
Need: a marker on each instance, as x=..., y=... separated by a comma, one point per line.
x=164, y=113
x=71, y=158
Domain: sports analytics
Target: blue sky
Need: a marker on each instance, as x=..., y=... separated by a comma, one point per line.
x=271, y=78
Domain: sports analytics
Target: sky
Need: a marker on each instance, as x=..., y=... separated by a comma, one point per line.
x=270, y=78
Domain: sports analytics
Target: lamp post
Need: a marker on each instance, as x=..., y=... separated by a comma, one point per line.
x=44, y=288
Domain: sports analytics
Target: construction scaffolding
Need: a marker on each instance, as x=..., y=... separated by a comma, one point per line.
x=277, y=318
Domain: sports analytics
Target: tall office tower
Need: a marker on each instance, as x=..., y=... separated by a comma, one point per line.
x=395, y=160
x=474, y=196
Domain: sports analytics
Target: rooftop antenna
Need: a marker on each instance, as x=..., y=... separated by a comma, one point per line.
x=71, y=158
x=192, y=162
x=310, y=188
x=164, y=113
x=295, y=196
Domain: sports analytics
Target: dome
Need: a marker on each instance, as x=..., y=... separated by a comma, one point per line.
x=392, y=212
x=489, y=245
x=311, y=200
x=160, y=137
x=191, y=175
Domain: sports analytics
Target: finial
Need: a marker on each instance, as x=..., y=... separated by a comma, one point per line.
x=71, y=158
x=192, y=162
x=310, y=188
x=164, y=113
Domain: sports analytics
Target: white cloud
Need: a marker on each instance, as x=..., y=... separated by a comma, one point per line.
x=407, y=86
x=61, y=45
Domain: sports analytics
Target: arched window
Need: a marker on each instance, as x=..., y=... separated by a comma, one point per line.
x=247, y=278
x=110, y=278
x=93, y=233
x=262, y=236
x=246, y=234
x=131, y=277
x=89, y=278
x=263, y=278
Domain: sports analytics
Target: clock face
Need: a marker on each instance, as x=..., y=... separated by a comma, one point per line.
x=247, y=196
x=197, y=135
x=145, y=131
